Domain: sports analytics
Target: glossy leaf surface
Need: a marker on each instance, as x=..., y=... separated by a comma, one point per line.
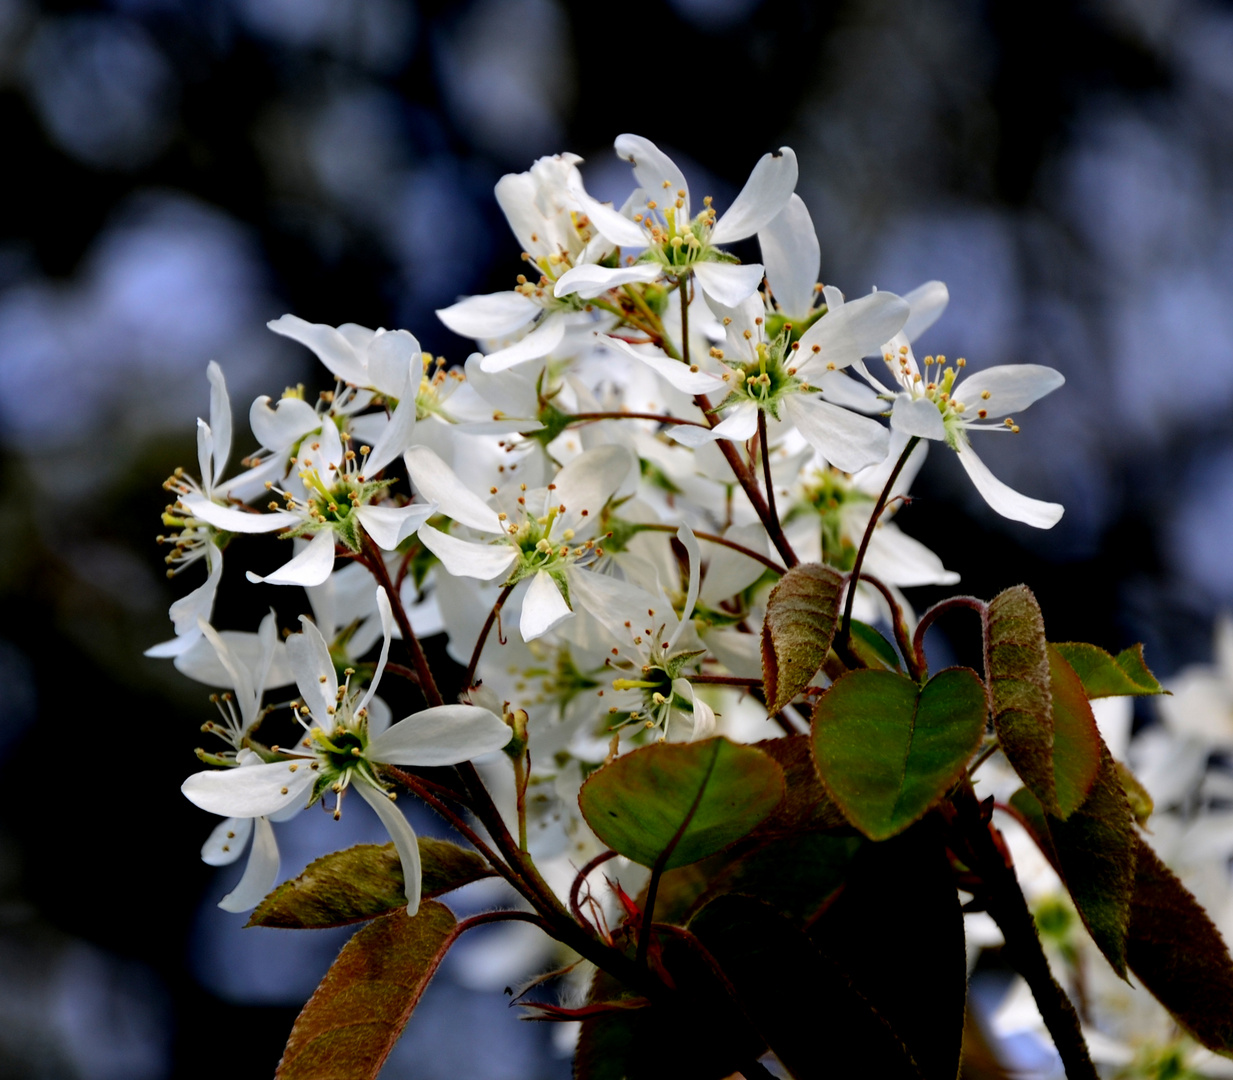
x=1104, y=675
x=1077, y=744
x=674, y=803
x=887, y=749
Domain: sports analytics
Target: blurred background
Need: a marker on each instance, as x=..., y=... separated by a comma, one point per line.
x=180, y=171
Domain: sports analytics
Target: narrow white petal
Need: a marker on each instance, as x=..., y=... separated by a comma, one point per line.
x=282, y=425
x=394, y=439
x=611, y=224
x=405, y=841
x=850, y=331
x=847, y=440
x=728, y=571
x=510, y=391
x=917, y=416
x=740, y=424
x=764, y=195
x=692, y=435
x=232, y=519
x=205, y=454
x=587, y=483
x=703, y=715
x=792, y=256
x=468, y=558
x=239, y=678
x=249, y=791
x=927, y=302
x=655, y=170
x=840, y=388
x=1006, y=500
x=539, y=342
x=543, y=607
x=226, y=843
x=313, y=667
x=900, y=560
x=728, y=283
x=260, y=873
x=690, y=542
x=220, y=421
x=436, y=482
x=590, y=281
x=186, y=611
x=332, y=349
x=516, y=196
x=444, y=735
x=389, y=526
x=491, y=316
x=678, y=374
x=1011, y=388
x=387, y=632
x=310, y=567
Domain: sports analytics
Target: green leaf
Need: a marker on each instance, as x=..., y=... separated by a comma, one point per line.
x=896, y=930
x=1076, y=739
x=1019, y=689
x=352, y=1021
x=1179, y=955
x=888, y=749
x=1110, y=676
x=674, y=803
x=801, y=615
x=362, y=882
x=1096, y=849
x=799, y=1001
x=871, y=647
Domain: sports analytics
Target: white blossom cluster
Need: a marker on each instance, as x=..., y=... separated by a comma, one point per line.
x=592, y=509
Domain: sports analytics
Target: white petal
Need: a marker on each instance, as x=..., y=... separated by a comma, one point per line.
x=310, y=567
x=764, y=195
x=848, y=441
x=260, y=873
x=729, y=571
x=900, y=560
x=387, y=632
x=587, y=483
x=792, y=256
x=313, y=668
x=249, y=791
x=468, y=558
x=220, y=421
x=510, y=391
x=516, y=196
x=728, y=283
x=611, y=224
x=1011, y=388
x=678, y=374
x=332, y=349
x=389, y=526
x=740, y=424
x=851, y=330
x=281, y=426
x=841, y=389
x=232, y=519
x=703, y=715
x=490, y=316
x=188, y=609
x=394, y=439
x=927, y=302
x=539, y=342
x=238, y=677
x=590, y=281
x=405, y=841
x=394, y=360
x=655, y=170
x=226, y=843
x=692, y=435
x=543, y=607
x=690, y=542
x=436, y=482
x=917, y=416
x=1006, y=500
x=444, y=735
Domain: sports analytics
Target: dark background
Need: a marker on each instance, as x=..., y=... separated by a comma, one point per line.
x=179, y=172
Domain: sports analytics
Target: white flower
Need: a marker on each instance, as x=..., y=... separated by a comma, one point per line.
x=543, y=536
x=934, y=403
x=676, y=243
x=341, y=749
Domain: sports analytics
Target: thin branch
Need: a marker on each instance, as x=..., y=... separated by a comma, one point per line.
x=841, y=639
x=493, y=615
x=727, y=680
x=586, y=418
x=916, y=666
x=764, y=445
x=582, y=875
x=927, y=620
